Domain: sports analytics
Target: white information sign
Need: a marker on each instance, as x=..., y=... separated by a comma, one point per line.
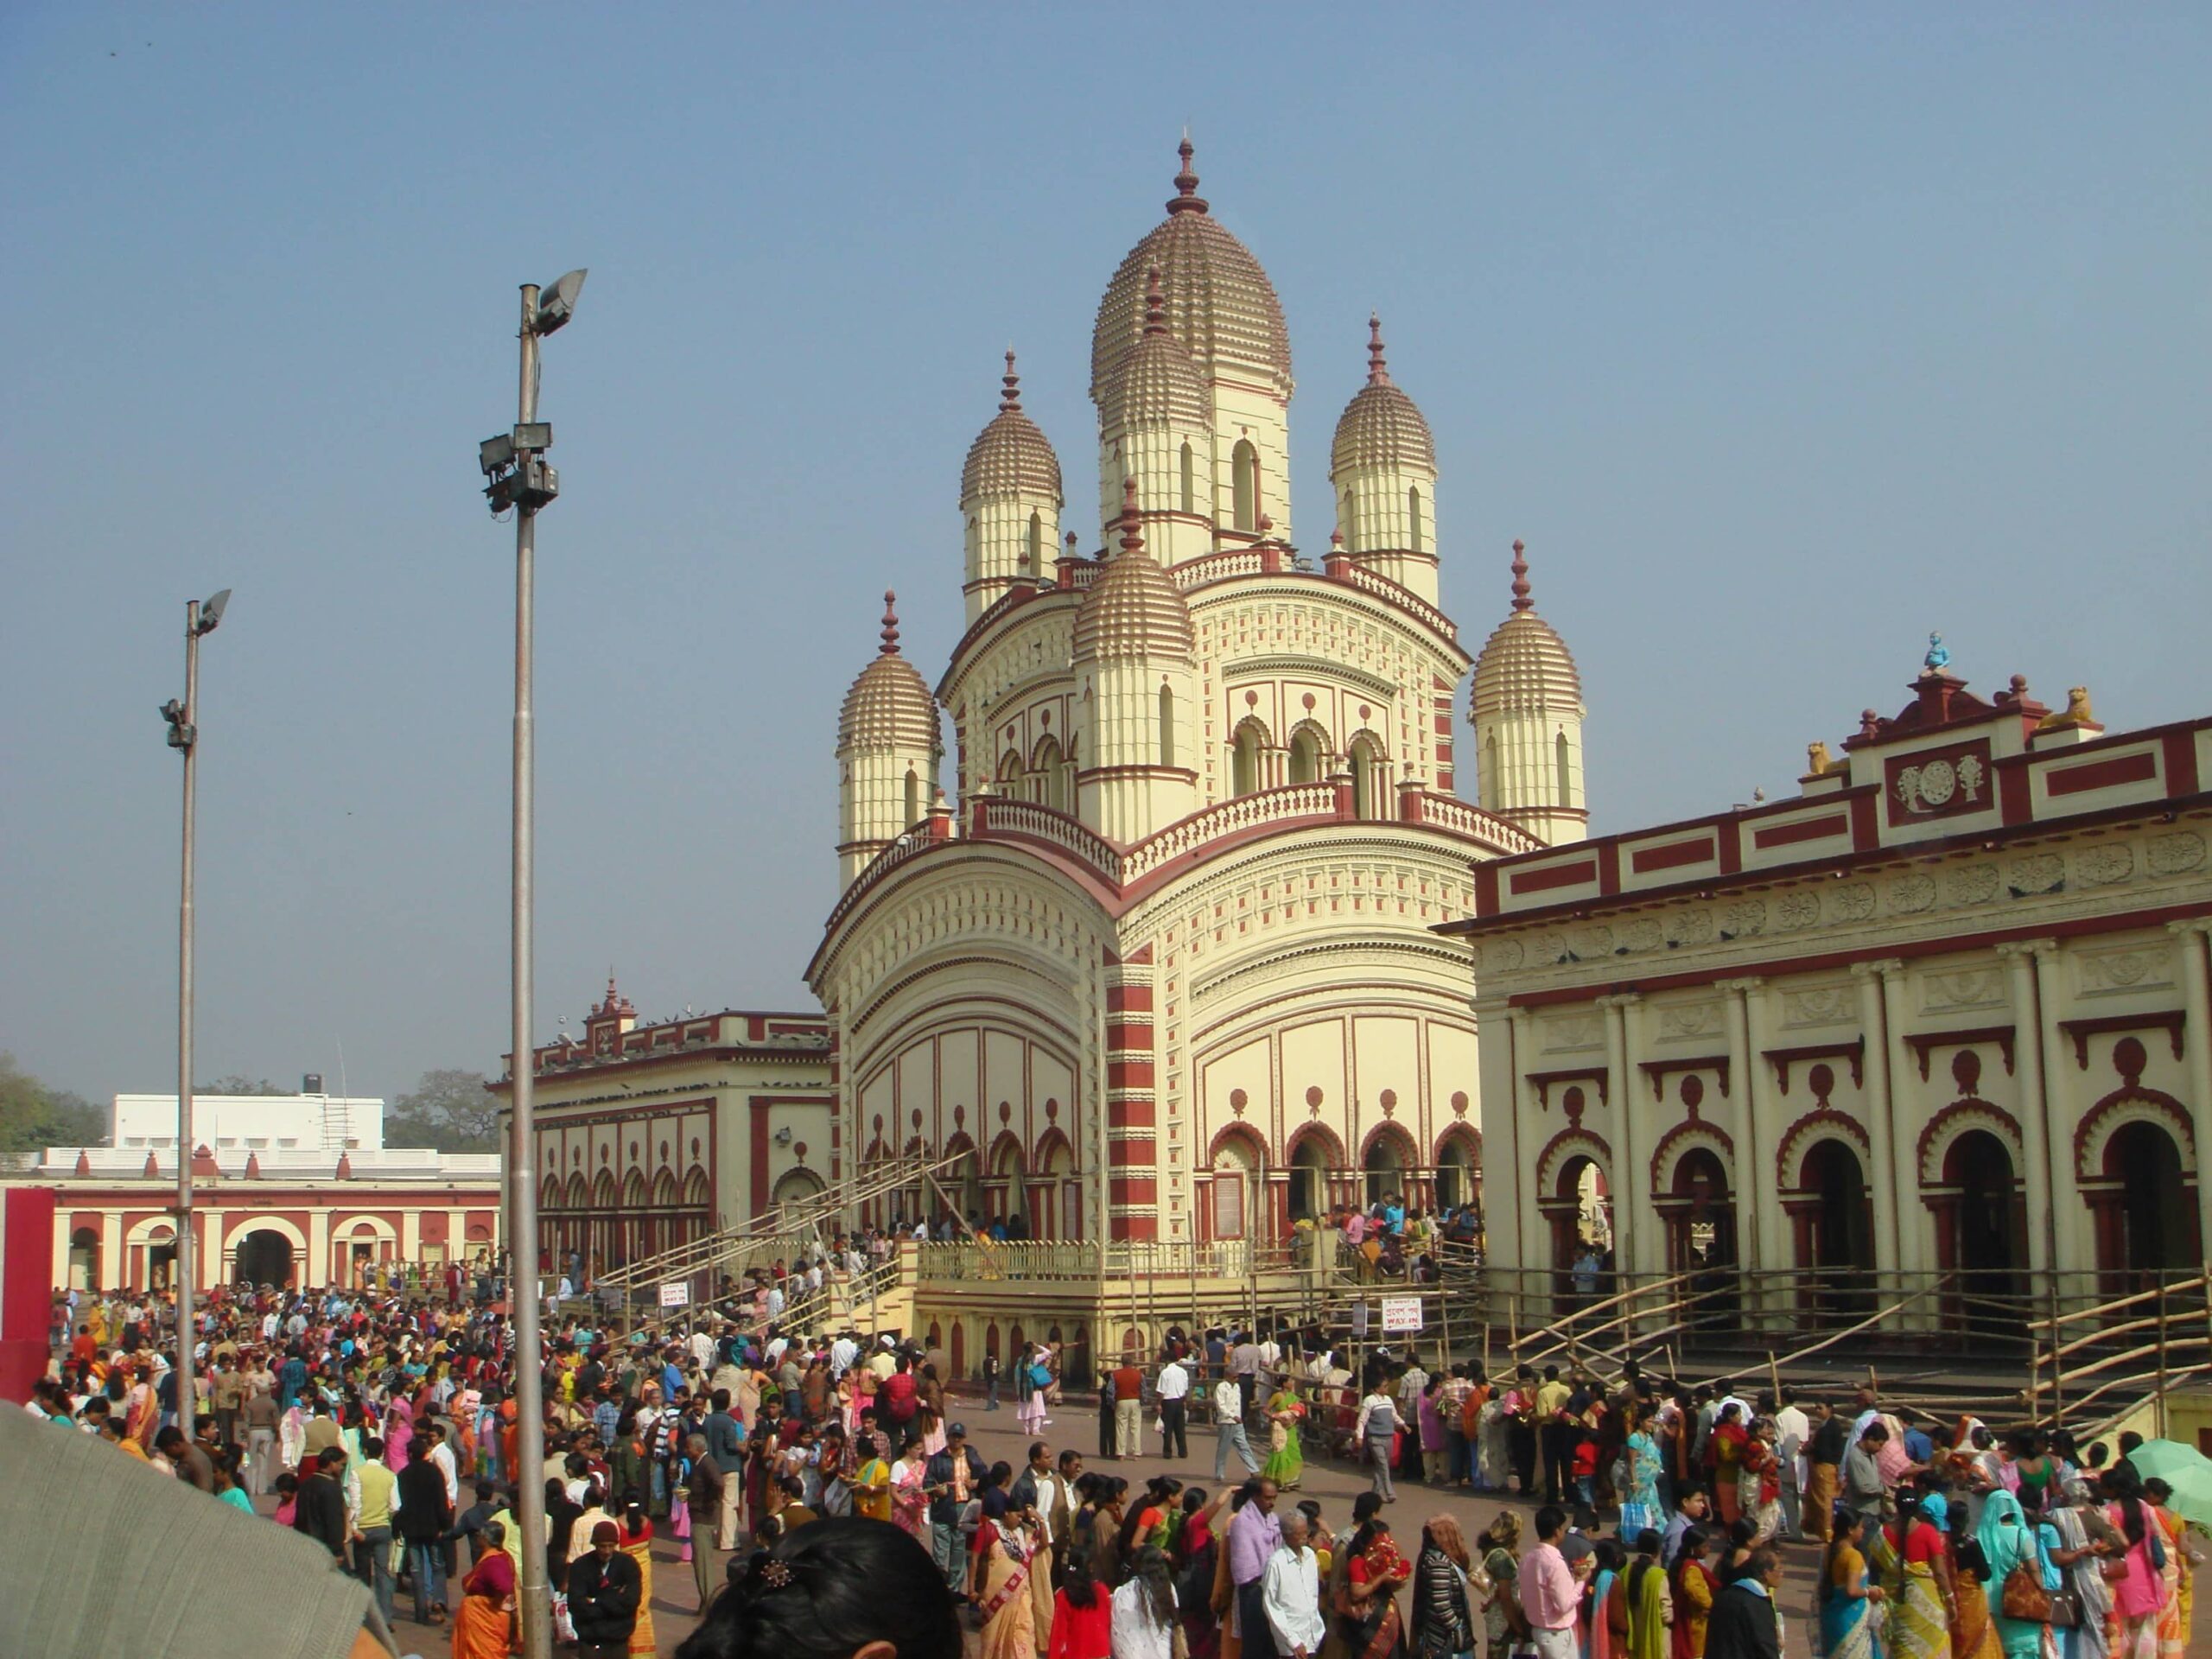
x=1400, y=1314
x=677, y=1294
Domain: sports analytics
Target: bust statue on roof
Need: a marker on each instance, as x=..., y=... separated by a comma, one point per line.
x=1939, y=655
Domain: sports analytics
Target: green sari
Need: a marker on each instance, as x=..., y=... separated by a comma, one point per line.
x=1286, y=1459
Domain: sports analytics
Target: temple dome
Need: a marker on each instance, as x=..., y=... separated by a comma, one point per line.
x=1524, y=665
x=1156, y=381
x=889, y=706
x=1219, y=303
x=1011, y=456
x=1380, y=427
x=1133, y=609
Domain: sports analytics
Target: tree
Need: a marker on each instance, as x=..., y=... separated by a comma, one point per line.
x=452, y=1110
x=33, y=1116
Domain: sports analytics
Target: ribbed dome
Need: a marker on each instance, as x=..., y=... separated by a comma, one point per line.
x=1011, y=454
x=1524, y=663
x=1219, y=303
x=889, y=706
x=1156, y=381
x=1132, y=610
x=1380, y=426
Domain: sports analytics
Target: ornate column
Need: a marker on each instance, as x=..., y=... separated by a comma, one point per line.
x=1743, y=1068
x=209, y=1264
x=2019, y=959
x=2072, y=1246
x=1631, y=1203
x=1519, y=1201
x=2191, y=939
x=1875, y=1024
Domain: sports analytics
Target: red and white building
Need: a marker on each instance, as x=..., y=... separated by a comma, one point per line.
x=1947, y=1008
x=288, y=1189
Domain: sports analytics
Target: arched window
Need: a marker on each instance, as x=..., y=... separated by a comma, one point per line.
x=1412, y=517
x=913, y=797
x=1366, y=777
x=1248, y=758
x=1011, y=775
x=1345, y=527
x=1566, y=777
x=1244, y=467
x=1189, y=480
x=1048, y=776
x=1036, y=542
x=1486, y=791
x=1309, y=754
x=1166, y=727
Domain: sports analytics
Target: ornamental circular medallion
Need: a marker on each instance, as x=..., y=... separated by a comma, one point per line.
x=1937, y=781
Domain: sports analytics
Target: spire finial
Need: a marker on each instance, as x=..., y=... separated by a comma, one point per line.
x=1155, y=303
x=1010, y=399
x=1132, y=538
x=1186, y=199
x=1520, y=599
x=1378, y=372
x=890, y=647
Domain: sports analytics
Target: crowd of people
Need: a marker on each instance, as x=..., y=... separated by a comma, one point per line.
x=382, y=1422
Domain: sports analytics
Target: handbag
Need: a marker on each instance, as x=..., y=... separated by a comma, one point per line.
x=2024, y=1597
x=2065, y=1611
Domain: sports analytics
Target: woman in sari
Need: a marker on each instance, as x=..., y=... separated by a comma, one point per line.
x=483, y=1625
x=2138, y=1590
x=2174, y=1611
x=1504, y=1623
x=634, y=1536
x=1003, y=1562
x=1649, y=1605
x=142, y=1414
x=1759, y=1482
x=2084, y=1539
x=2009, y=1539
x=1374, y=1572
x=1723, y=1456
x=1286, y=1461
x=1695, y=1588
x=870, y=1486
x=1640, y=1467
x=1973, y=1635
x=1603, y=1616
x=1493, y=1445
x=398, y=1431
x=1921, y=1616
x=1847, y=1600
x=1197, y=1556
x=910, y=1501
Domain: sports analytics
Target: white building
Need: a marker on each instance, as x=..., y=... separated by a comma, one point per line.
x=307, y=1122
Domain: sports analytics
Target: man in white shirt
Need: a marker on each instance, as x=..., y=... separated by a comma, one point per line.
x=1172, y=1391
x=1244, y=1366
x=1228, y=1430
x=843, y=1353
x=1290, y=1591
x=1791, y=1427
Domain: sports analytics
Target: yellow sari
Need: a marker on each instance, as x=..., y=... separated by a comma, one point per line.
x=1007, y=1604
x=1918, y=1627
x=639, y=1548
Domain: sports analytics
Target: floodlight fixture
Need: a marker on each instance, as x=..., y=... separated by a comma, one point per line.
x=495, y=453
x=557, y=303
x=211, y=612
x=534, y=434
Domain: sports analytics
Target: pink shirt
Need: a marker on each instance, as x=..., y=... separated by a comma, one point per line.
x=1549, y=1595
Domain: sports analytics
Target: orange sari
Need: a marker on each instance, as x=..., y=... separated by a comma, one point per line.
x=483, y=1624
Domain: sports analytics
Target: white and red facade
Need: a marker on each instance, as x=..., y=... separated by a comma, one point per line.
x=1945, y=1009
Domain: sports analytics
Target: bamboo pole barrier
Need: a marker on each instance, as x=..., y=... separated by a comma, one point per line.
x=1876, y=1318
x=2097, y=1311
x=1628, y=1295
x=2106, y=1334
x=2160, y=1408
x=2106, y=1387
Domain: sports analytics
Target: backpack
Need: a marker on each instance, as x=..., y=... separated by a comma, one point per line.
x=896, y=1397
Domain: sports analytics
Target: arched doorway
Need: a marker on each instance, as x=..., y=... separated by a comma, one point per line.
x=1309, y=1177
x=1835, y=1231
x=85, y=1259
x=1700, y=1212
x=1386, y=1163
x=2157, y=1221
x=794, y=1187
x=1228, y=1199
x=1457, y=1174
x=1579, y=1208
x=1011, y=1175
x=265, y=1258
x=1982, y=1233
x=1309, y=754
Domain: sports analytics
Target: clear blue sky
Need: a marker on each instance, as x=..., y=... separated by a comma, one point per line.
x=1783, y=334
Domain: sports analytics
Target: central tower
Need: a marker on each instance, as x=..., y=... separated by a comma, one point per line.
x=1216, y=304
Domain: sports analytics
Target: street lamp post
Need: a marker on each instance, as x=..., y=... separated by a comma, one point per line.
x=519, y=478
x=199, y=618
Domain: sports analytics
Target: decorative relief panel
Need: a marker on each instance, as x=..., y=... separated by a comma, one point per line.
x=2103, y=865
x=2172, y=854
x=1852, y=902
x=1820, y=1005
x=2039, y=872
x=1974, y=987
x=1912, y=894
x=2102, y=973
x=1681, y=1021
x=1799, y=909
x=1970, y=884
